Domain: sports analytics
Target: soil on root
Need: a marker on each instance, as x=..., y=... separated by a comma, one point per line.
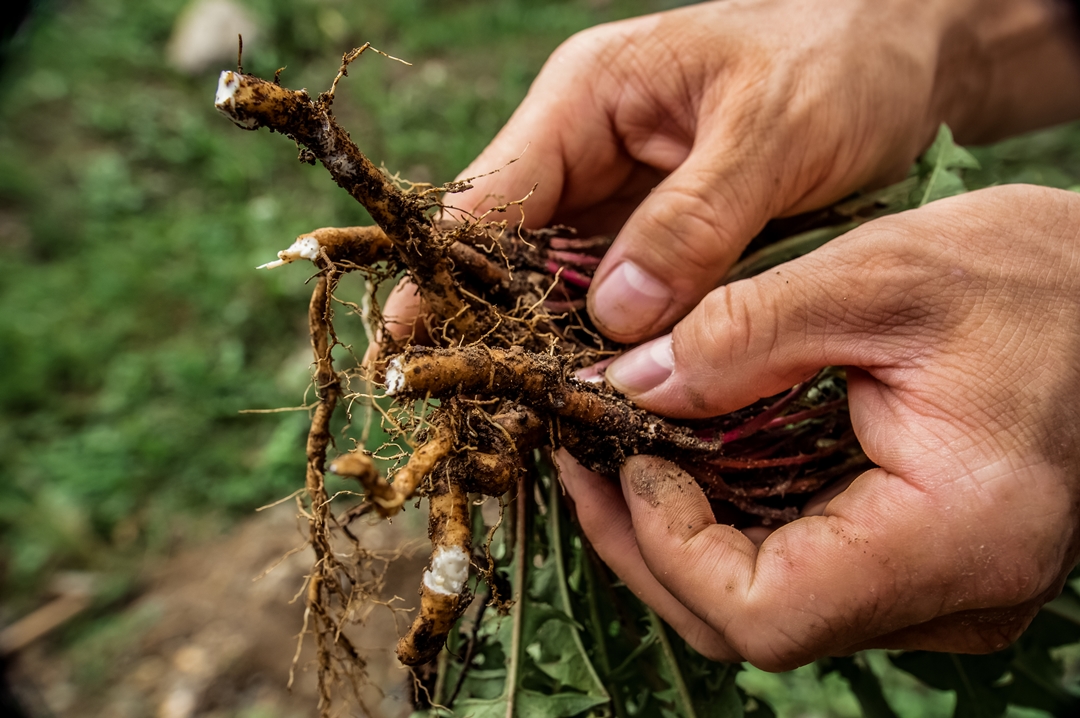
x=506, y=332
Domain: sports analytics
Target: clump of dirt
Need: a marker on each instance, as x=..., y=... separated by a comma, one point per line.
x=492, y=380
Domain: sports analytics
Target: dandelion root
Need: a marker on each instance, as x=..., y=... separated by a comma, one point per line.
x=443, y=595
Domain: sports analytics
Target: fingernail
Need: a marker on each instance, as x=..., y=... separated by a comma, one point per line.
x=594, y=373
x=643, y=368
x=629, y=300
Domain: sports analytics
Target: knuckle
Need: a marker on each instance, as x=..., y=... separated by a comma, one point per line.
x=586, y=46
x=683, y=233
x=728, y=326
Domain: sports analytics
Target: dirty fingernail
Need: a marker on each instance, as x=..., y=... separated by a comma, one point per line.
x=629, y=300
x=643, y=368
x=594, y=373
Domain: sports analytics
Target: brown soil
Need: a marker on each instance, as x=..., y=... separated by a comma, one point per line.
x=205, y=639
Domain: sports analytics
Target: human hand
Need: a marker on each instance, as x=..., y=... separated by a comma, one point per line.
x=960, y=323
x=686, y=131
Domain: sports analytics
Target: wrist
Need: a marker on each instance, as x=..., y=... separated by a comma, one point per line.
x=1006, y=66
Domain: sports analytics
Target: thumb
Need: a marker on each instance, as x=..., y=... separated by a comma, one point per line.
x=853, y=302
x=679, y=243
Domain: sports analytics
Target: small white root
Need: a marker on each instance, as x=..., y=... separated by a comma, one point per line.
x=225, y=99
x=305, y=247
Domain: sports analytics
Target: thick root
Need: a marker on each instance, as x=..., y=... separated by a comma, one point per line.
x=360, y=467
x=601, y=428
x=345, y=246
x=252, y=103
x=443, y=594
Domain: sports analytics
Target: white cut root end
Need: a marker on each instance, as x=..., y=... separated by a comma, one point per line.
x=225, y=99
x=449, y=570
x=305, y=247
x=395, y=377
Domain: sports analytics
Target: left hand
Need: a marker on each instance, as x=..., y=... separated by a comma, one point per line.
x=960, y=325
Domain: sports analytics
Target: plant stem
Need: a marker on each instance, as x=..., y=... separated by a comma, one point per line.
x=681, y=690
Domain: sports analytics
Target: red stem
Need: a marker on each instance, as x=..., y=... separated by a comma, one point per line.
x=569, y=276
x=762, y=419
x=782, y=421
x=725, y=462
x=575, y=258
x=559, y=306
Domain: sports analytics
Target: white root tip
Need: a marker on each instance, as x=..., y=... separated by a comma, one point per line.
x=227, y=86
x=305, y=247
x=395, y=377
x=225, y=99
x=449, y=570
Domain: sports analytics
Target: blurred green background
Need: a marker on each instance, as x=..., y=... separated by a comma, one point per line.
x=133, y=326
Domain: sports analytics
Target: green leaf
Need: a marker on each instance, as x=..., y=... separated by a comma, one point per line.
x=784, y=251
x=971, y=677
x=531, y=704
x=1036, y=683
x=864, y=684
x=558, y=655
x=476, y=709
x=1036, y=677
x=1067, y=607
x=756, y=708
x=939, y=167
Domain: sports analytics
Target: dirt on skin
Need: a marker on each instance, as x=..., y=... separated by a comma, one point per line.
x=206, y=639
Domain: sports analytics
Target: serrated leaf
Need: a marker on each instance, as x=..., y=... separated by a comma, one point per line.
x=531, y=704
x=557, y=655
x=537, y=613
x=474, y=708
x=939, y=166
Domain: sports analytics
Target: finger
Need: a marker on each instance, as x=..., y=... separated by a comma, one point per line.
x=403, y=317
x=820, y=499
x=815, y=506
x=402, y=312
x=605, y=520
x=854, y=302
x=681, y=240
x=869, y=567
x=558, y=145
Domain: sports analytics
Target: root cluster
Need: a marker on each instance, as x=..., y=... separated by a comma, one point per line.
x=495, y=380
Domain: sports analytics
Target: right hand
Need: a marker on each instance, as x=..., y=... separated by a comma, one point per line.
x=685, y=131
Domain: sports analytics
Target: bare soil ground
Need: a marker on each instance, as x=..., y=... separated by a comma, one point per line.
x=207, y=639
